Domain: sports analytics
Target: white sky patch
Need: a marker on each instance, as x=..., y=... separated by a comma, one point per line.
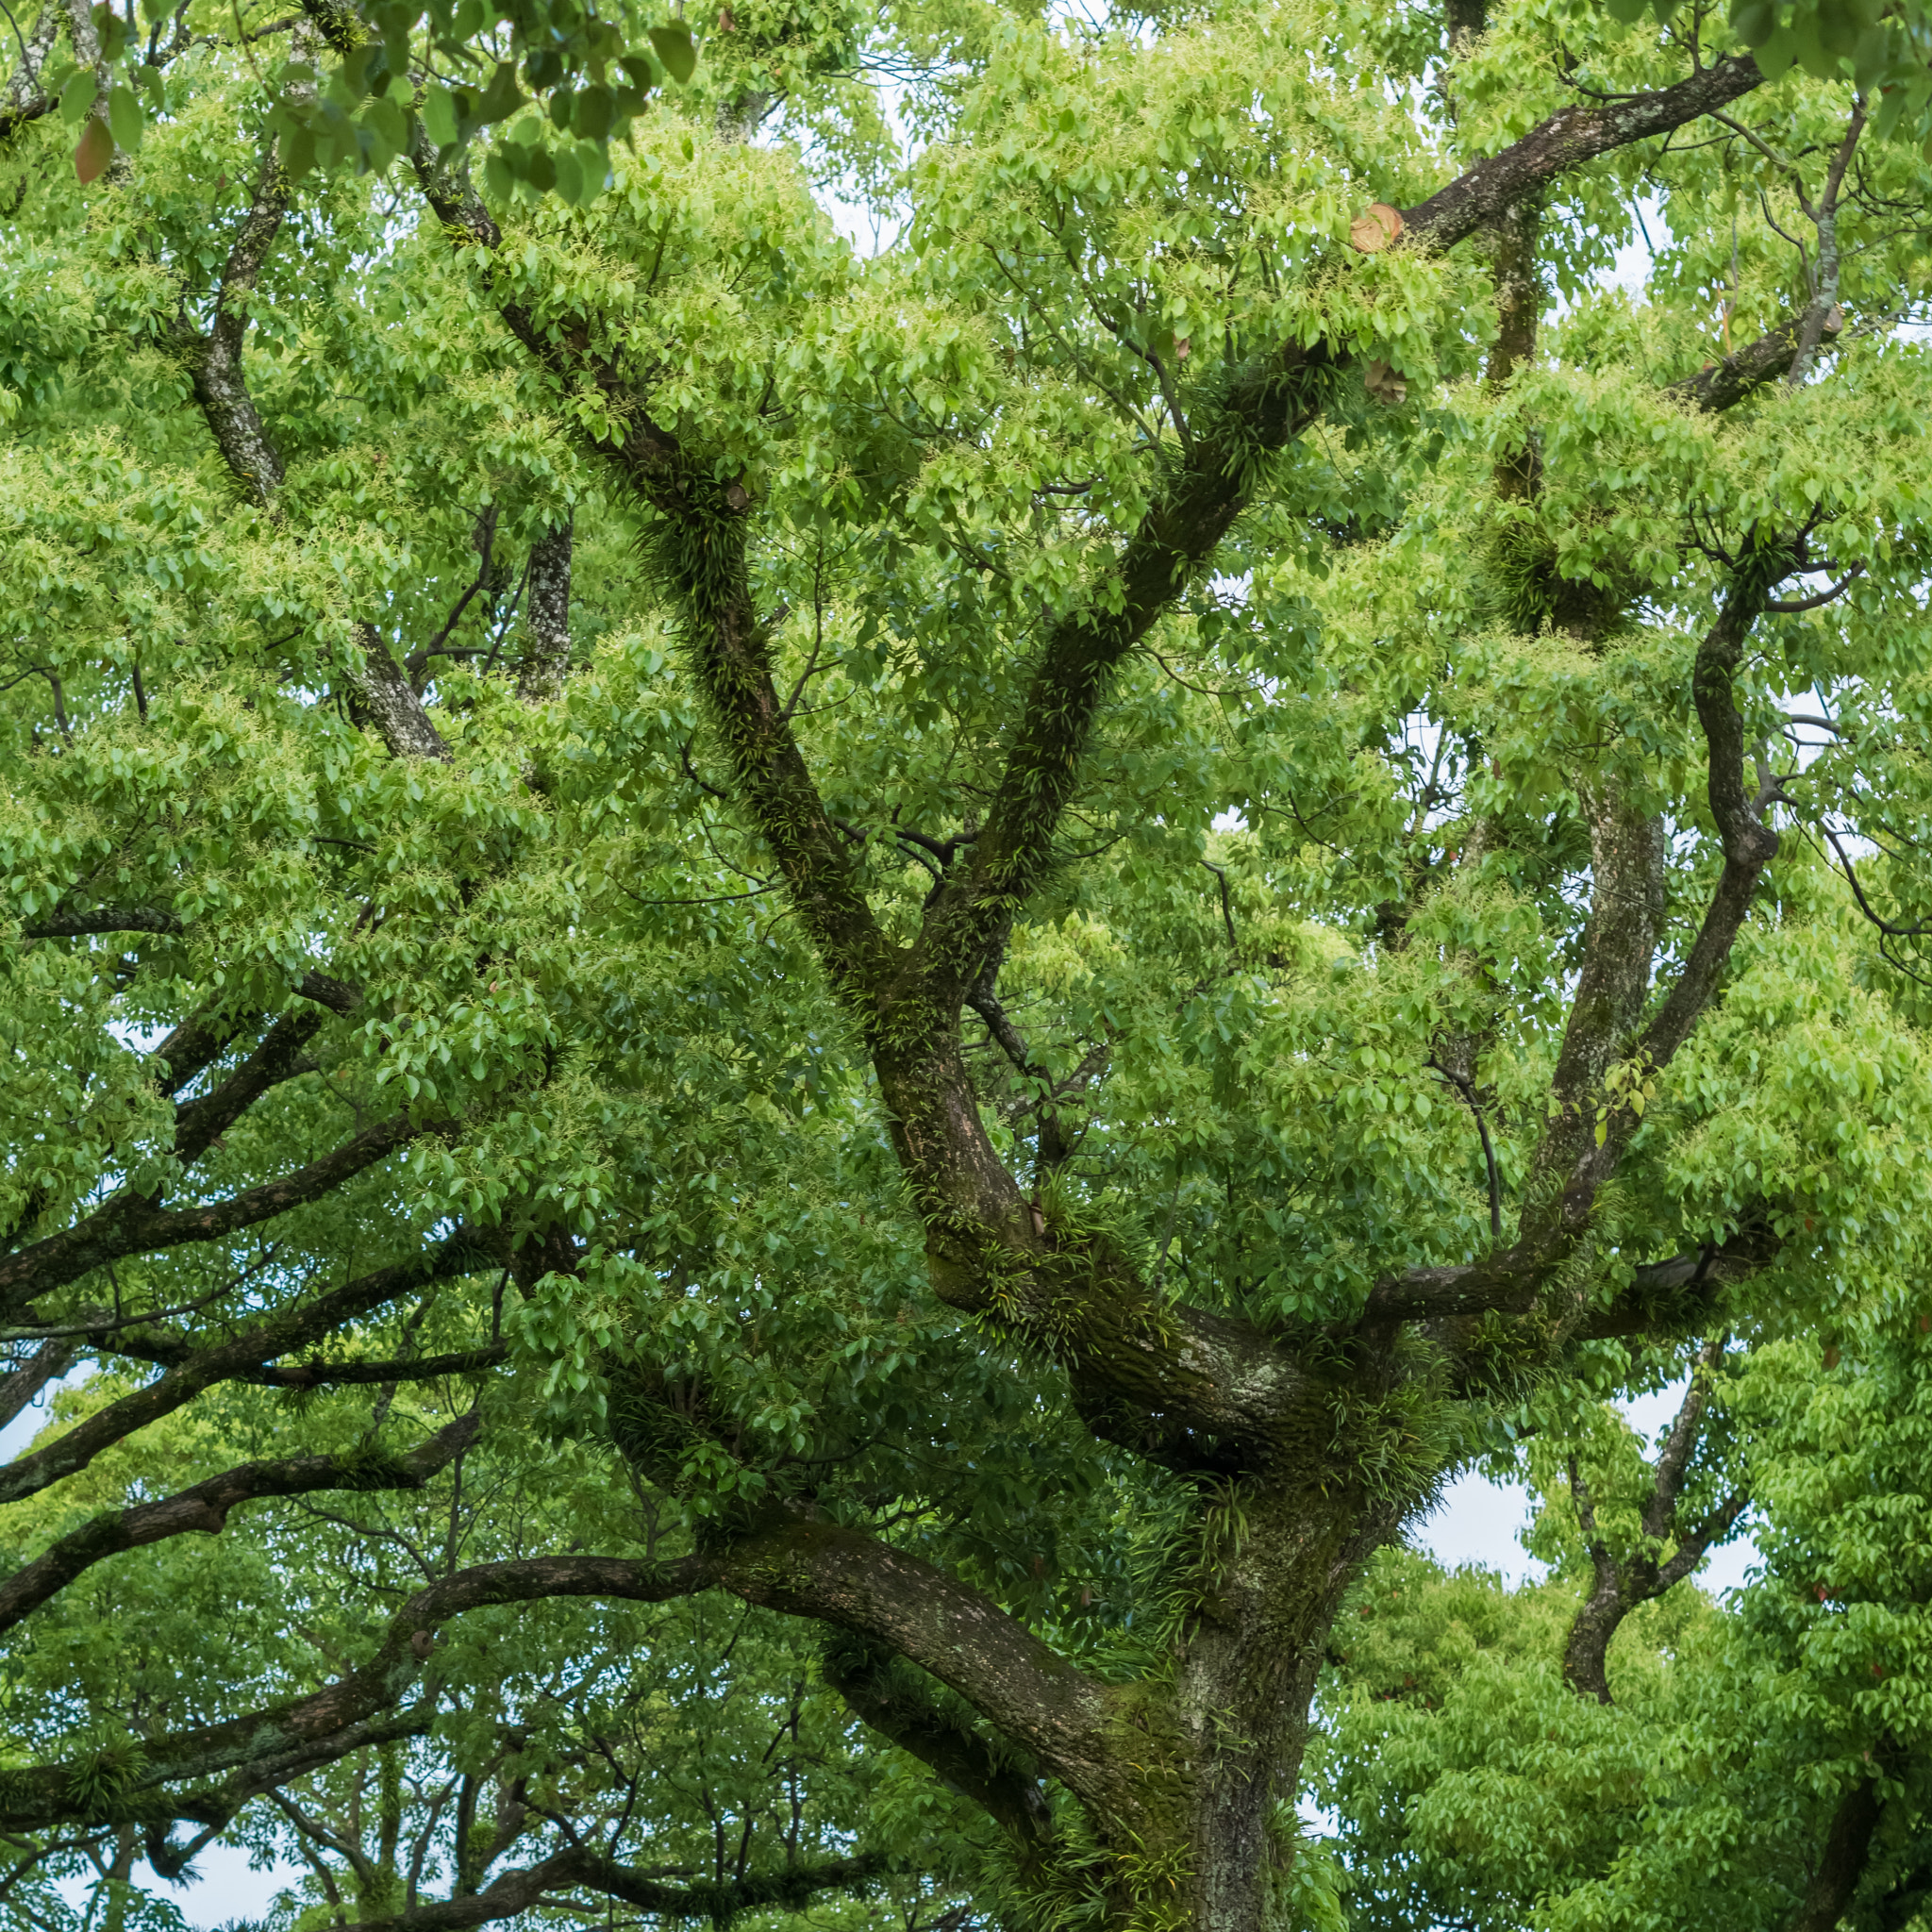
x=1482, y=1522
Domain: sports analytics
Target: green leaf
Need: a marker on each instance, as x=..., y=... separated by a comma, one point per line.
x=596, y=109
x=502, y=97
x=77, y=97
x=112, y=31
x=1626, y=12
x=124, y=117
x=439, y=119
x=675, y=49
x=1753, y=21
x=570, y=187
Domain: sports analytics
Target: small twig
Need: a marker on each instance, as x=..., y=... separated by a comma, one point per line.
x=1467, y=1089
x=1226, y=906
x=703, y=785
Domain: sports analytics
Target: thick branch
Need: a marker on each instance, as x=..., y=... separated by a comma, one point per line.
x=1623, y=1583
x=101, y=918
x=47, y=1363
x=1567, y=139
x=546, y=663
x=423, y=1368
x=810, y=1568
x=1728, y=382
x=215, y=360
x=885, y=1691
x=203, y=1510
x=1841, y=1861
x=1749, y=844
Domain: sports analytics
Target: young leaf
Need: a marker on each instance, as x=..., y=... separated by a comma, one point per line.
x=94, y=151
x=440, y=116
x=124, y=117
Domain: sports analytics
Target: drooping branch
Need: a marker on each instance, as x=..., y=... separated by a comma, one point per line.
x=202, y=1510
x=277, y=1334
x=808, y=1567
x=288, y=1737
x=130, y=1223
x=582, y=1869
x=885, y=1692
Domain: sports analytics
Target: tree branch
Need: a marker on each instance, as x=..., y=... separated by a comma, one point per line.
x=1567, y=139
x=1749, y=844
x=516, y=1893
x=202, y=1510
x=131, y=1223
x=278, y=1334
x=292, y=1733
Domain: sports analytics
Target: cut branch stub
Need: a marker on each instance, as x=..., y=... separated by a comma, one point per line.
x=1377, y=228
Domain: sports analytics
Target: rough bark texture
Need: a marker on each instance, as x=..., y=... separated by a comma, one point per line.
x=546, y=664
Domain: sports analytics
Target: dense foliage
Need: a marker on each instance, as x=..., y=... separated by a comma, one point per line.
x=791, y=1032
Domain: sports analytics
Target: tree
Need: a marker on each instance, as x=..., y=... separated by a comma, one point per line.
x=1757, y=1768
x=982, y=947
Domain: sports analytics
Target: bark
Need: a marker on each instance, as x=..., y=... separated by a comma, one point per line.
x=214, y=359
x=23, y=99
x=546, y=663
x=1841, y=1861
x=390, y=703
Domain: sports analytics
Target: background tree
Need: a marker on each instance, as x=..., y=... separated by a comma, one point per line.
x=963, y=956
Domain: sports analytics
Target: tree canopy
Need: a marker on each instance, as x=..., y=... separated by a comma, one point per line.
x=793, y=1032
